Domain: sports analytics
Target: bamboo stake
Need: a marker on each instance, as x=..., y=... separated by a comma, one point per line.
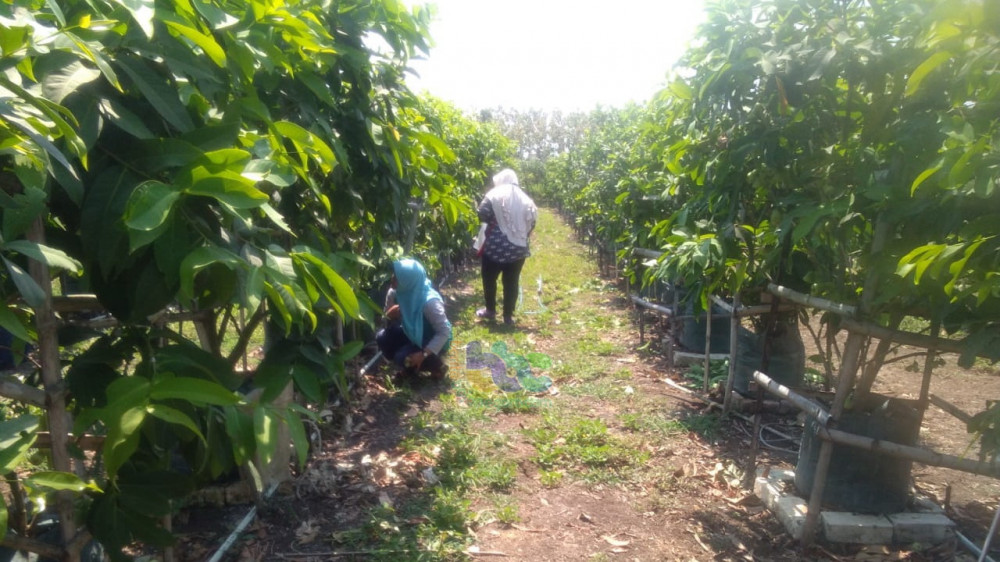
x=801, y=402
x=848, y=372
x=811, y=301
x=22, y=392
x=708, y=349
x=734, y=332
x=950, y=408
x=925, y=383
x=58, y=417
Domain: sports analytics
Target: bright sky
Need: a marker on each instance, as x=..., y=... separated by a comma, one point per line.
x=571, y=55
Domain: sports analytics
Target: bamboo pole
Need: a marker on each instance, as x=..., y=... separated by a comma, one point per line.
x=647, y=253
x=848, y=372
x=58, y=417
x=756, y=310
x=652, y=306
x=950, y=408
x=22, y=392
x=814, y=409
x=734, y=332
x=811, y=301
x=905, y=338
x=708, y=349
x=925, y=383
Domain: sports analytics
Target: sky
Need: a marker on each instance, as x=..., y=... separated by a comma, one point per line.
x=568, y=55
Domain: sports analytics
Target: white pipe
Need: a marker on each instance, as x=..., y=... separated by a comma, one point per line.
x=239, y=528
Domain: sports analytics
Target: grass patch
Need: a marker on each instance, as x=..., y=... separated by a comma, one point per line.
x=583, y=446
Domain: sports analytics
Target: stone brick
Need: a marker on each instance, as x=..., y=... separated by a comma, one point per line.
x=928, y=528
x=768, y=491
x=791, y=511
x=855, y=528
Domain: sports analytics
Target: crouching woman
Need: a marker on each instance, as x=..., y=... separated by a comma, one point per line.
x=418, y=332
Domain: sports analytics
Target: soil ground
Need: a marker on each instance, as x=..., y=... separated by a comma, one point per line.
x=675, y=491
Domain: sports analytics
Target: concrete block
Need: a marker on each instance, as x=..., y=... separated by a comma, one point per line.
x=791, y=511
x=768, y=491
x=782, y=475
x=925, y=505
x=855, y=528
x=928, y=528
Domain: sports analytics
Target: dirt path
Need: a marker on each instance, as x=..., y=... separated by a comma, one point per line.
x=601, y=461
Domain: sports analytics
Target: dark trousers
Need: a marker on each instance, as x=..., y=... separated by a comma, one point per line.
x=511, y=273
x=396, y=347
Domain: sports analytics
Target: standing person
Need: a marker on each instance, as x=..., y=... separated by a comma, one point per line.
x=509, y=215
x=418, y=331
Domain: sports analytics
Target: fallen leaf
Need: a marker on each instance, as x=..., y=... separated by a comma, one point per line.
x=307, y=532
x=384, y=499
x=615, y=542
x=429, y=476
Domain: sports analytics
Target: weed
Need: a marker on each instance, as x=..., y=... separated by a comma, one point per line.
x=506, y=511
x=498, y=476
x=630, y=421
x=551, y=478
x=708, y=426
x=694, y=377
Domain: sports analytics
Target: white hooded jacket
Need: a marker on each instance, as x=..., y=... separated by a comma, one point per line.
x=514, y=210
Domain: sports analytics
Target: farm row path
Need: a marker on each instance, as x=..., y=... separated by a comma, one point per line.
x=608, y=462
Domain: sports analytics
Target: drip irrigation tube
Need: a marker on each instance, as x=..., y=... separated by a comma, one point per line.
x=538, y=297
x=240, y=528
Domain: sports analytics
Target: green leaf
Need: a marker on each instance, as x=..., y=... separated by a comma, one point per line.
x=925, y=68
x=232, y=190
x=10, y=322
x=196, y=391
x=17, y=436
x=200, y=259
x=142, y=12
x=307, y=382
x=308, y=143
x=297, y=431
x=681, y=90
x=60, y=481
x=207, y=43
x=160, y=94
x=123, y=438
x=58, y=85
x=30, y=291
x=265, y=432
x=345, y=295
x=3, y=516
x=45, y=254
x=150, y=205
x=922, y=178
x=176, y=417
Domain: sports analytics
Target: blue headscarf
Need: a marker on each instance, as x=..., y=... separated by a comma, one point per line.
x=413, y=291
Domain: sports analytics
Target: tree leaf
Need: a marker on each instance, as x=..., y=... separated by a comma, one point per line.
x=196, y=391
x=142, y=12
x=10, y=322
x=159, y=93
x=29, y=289
x=233, y=190
x=176, y=417
x=58, y=85
x=17, y=436
x=207, y=43
x=200, y=259
x=51, y=257
x=150, y=205
x=60, y=481
x=925, y=68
